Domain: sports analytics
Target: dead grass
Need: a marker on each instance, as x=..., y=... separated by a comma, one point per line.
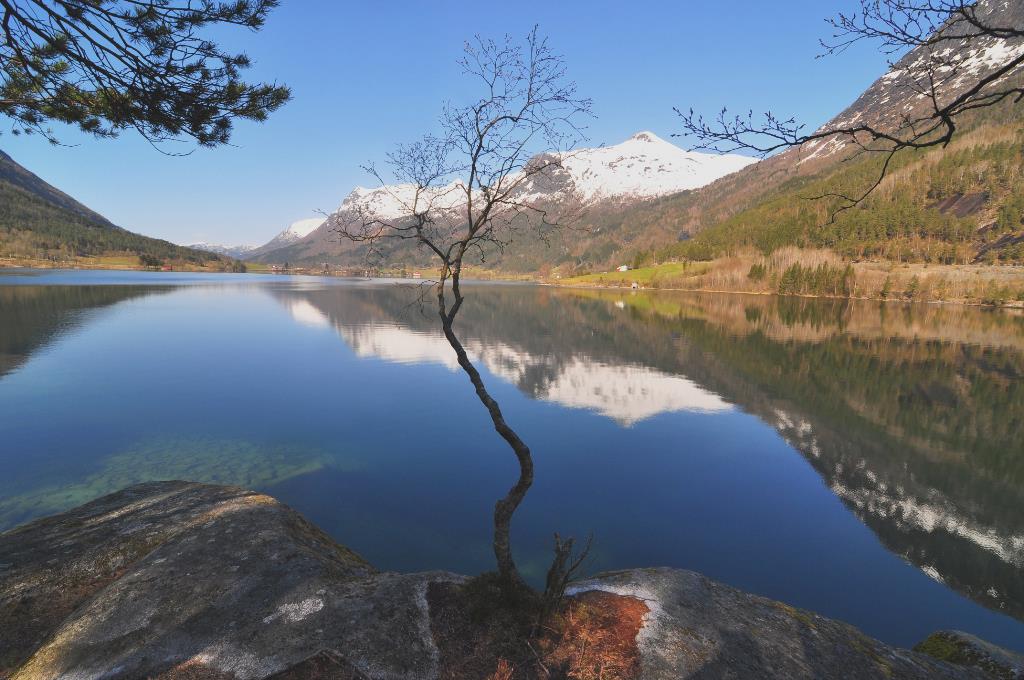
x=999, y=285
x=594, y=637
x=591, y=637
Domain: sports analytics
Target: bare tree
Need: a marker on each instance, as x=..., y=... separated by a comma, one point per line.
x=466, y=192
x=110, y=65
x=942, y=80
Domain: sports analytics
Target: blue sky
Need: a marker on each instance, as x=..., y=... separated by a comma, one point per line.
x=368, y=75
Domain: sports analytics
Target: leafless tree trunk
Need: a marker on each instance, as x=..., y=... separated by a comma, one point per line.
x=505, y=507
x=467, y=190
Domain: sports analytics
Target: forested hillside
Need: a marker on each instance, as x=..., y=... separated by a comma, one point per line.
x=943, y=200
x=40, y=224
x=961, y=204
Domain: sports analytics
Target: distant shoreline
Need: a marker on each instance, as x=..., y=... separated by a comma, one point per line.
x=819, y=274
x=29, y=263
x=768, y=293
x=1008, y=280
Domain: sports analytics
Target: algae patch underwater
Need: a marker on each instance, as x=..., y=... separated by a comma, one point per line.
x=235, y=462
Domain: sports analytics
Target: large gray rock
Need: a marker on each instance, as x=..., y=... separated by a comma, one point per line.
x=698, y=628
x=181, y=580
x=198, y=581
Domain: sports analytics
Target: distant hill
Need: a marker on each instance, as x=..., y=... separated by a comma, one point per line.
x=40, y=223
x=295, y=232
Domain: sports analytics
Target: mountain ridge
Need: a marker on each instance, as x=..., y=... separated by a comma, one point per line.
x=17, y=175
x=41, y=224
x=640, y=168
x=239, y=252
x=293, y=233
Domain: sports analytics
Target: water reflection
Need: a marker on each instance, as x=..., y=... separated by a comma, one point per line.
x=913, y=416
x=658, y=419
x=33, y=316
x=625, y=393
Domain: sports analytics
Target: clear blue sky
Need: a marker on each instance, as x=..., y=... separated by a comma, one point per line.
x=367, y=75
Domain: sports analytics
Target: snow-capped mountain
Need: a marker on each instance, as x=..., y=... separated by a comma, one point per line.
x=238, y=252
x=644, y=166
x=951, y=68
x=398, y=200
x=641, y=168
x=295, y=232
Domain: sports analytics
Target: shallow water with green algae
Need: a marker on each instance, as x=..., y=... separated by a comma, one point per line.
x=248, y=464
x=863, y=460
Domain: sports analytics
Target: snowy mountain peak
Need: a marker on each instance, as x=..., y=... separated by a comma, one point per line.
x=302, y=228
x=296, y=231
x=239, y=252
x=645, y=166
x=397, y=200
x=647, y=136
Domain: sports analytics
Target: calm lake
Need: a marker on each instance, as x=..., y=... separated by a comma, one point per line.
x=862, y=460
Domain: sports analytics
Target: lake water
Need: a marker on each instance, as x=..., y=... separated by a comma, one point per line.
x=862, y=460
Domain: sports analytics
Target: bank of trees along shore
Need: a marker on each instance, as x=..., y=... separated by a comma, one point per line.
x=954, y=206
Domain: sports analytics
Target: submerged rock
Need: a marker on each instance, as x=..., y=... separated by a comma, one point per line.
x=184, y=580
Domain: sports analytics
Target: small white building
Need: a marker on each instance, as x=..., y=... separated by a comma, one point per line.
x=622, y=268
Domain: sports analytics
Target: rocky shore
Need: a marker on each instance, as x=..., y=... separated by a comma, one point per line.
x=180, y=580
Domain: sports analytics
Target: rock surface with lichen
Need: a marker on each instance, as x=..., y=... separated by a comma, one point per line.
x=181, y=580
x=965, y=649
